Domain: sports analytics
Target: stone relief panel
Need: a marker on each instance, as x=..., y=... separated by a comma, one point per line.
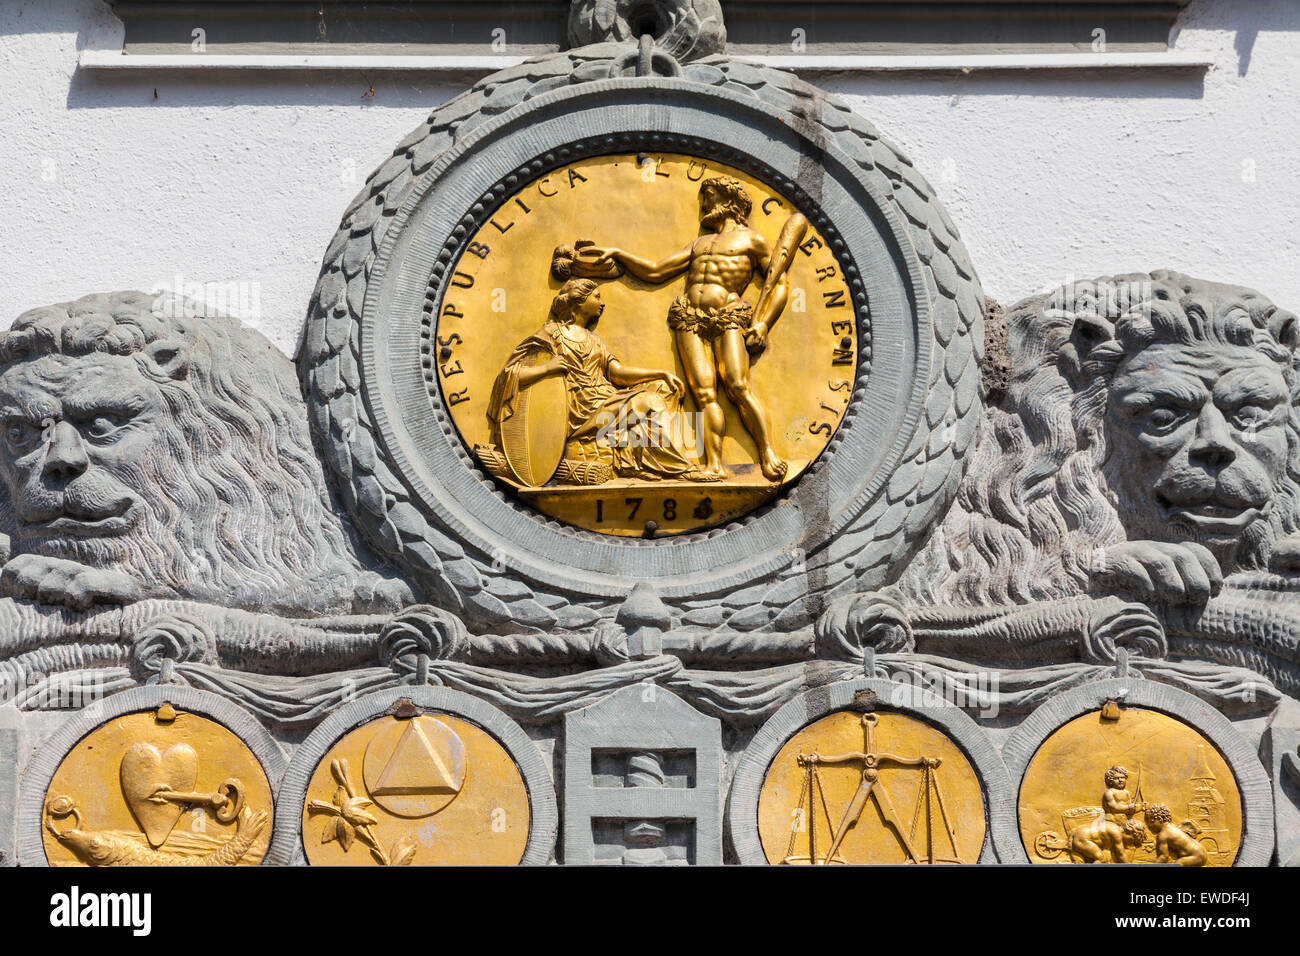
x=150, y=452
x=1146, y=444
x=642, y=782
x=1134, y=486
x=906, y=523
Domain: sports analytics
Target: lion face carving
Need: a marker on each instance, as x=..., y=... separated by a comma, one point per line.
x=73, y=432
x=1198, y=442
x=1153, y=410
x=171, y=447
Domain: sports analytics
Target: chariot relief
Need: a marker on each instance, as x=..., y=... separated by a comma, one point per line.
x=1129, y=785
x=723, y=364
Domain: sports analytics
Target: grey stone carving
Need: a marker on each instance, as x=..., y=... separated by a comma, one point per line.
x=1280, y=752
x=685, y=29
x=850, y=524
x=1112, y=490
x=1146, y=451
x=10, y=724
x=149, y=452
x=642, y=781
x=1130, y=453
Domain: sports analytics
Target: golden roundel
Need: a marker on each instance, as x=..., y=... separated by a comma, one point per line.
x=645, y=345
x=873, y=788
x=424, y=790
x=1129, y=786
x=158, y=788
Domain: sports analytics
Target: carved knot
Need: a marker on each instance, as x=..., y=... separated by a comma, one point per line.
x=1115, y=624
x=609, y=645
x=180, y=637
x=685, y=30
x=645, y=618
x=858, y=622
x=422, y=630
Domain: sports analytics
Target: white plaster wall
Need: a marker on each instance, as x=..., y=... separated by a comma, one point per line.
x=242, y=178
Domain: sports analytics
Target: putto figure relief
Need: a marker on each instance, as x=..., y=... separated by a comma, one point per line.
x=151, y=453
x=1173, y=843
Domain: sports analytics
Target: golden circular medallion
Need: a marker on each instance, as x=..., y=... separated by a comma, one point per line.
x=1141, y=788
x=871, y=788
x=645, y=345
x=424, y=790
x=158, y=788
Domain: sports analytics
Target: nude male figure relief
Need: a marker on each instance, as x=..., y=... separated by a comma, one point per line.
x=715, y=330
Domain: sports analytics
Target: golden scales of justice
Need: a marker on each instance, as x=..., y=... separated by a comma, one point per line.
x=928, y=798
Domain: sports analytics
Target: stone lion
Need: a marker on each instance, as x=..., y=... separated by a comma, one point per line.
x=148, y=452
x=1148, y=442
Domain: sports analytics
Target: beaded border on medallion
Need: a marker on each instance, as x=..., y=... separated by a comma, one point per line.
x=491, y=202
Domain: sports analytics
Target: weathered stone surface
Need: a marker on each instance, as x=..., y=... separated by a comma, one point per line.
x=686, y=29
x=642, y=786
x=1105, y=488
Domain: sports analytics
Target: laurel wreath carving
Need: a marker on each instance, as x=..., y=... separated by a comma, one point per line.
x=487, y=593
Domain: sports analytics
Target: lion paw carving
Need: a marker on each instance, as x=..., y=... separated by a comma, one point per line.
x=46, y=580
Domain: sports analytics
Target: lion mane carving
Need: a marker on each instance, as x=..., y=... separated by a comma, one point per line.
x=151, y=452
x=1148, y=442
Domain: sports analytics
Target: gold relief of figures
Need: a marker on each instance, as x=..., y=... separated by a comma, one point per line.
x=616, y=417
x=872, y=788
x=1127, y=785
x=418, y=789
x=719, y=372
x=158, y=788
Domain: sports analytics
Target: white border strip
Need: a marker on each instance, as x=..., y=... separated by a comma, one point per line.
x=963, y=63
